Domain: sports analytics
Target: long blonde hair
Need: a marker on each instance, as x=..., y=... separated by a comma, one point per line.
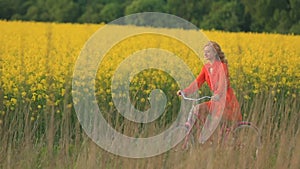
x=219, y=51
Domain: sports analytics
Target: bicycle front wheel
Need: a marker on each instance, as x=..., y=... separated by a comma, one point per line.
x=188, y=140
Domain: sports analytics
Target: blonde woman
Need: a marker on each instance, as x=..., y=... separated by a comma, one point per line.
x=214, y=72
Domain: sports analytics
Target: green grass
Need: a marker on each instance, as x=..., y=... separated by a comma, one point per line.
x=57, y=141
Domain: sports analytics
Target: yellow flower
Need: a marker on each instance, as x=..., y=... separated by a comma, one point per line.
x=69, y=105
x=14, y=101
x=143, y=100
x=32, y=118
x=246, y=97
x=269, y=63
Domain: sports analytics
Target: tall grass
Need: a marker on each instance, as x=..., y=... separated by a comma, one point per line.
x=63, y=144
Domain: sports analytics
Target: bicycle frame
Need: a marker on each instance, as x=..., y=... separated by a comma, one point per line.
x=225, y=130
x=193, y=99
x=190, y=120
x=191, y=113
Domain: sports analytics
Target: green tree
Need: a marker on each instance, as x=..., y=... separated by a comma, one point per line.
x=64, y=10
x=228, y=16
x=6, y=9
x=111, y=12
x=268, y=15
x=91, y=14
x=53, y=10
x=281, y=21
x=181, y=8
x=295, y=16
x=280, y=16
x=138, y=6
x=38, y=11
x=192, y=10
x=13, y=9
x=145, y=6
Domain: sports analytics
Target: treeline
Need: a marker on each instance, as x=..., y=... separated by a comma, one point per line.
x=280, y=16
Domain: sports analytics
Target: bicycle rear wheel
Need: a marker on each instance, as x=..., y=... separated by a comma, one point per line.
x=247, y=136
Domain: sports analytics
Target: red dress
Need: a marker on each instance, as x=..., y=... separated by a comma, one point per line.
x=217, y=78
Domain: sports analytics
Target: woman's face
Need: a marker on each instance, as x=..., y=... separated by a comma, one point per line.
x=209, y=53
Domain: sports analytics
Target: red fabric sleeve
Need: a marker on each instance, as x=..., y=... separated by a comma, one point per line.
x=196, y=84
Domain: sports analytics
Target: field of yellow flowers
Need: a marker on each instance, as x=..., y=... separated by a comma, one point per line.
x=37, y=61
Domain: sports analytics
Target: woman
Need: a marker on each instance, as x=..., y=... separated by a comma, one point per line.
x=215, y=74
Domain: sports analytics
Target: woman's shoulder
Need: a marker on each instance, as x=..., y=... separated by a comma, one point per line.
x=206, y=66
x=221, y=65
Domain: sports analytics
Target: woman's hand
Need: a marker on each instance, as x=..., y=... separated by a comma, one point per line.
x=215, y=97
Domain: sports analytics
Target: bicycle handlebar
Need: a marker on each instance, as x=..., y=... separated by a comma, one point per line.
x=193, y=99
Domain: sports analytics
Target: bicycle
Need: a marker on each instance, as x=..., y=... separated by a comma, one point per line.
x=237, y=135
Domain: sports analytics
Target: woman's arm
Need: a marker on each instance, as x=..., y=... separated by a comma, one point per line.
x=197, y=83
